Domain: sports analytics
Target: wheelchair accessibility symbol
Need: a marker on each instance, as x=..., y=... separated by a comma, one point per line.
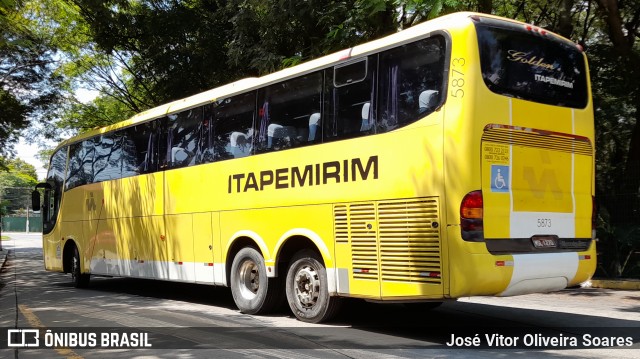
x=499, y=178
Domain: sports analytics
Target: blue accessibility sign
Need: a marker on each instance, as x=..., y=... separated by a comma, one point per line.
x=499, y=178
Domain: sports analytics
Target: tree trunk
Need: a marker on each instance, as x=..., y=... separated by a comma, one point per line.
x=565, y=23
x=615, y=26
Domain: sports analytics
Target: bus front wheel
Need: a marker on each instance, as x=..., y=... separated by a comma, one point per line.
x=252, y=291
x=307, y=291
x=79, y=279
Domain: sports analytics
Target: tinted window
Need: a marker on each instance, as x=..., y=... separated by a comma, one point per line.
x=108, y=154
x=346, y=74
x=352, y=106
x=521, y=64
x=80, y=169
x=182, y=137
x=204, y=153
x=140, y=149
x=233, y=126
x=289, y=114
x=411, y=82
x=55, y=177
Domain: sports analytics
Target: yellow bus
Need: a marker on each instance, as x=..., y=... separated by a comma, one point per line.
x=451, y=159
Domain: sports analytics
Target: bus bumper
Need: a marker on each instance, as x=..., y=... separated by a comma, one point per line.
x=517, y=274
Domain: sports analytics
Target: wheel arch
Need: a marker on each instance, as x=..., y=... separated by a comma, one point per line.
x=67, y=255
x=239, y=240
x=296, y=240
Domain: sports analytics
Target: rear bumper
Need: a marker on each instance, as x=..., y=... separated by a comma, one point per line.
x=517, y=274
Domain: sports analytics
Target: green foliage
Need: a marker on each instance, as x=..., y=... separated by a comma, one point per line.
x=618, y=248
x=28, y=84
x=16, y=185
x=142, y=47
x=13, y=119
x=102, y=111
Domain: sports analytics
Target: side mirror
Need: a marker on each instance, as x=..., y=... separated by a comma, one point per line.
x=35, y=200
x=35, y=195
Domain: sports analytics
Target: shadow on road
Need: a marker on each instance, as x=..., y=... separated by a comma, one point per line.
x=360, y=325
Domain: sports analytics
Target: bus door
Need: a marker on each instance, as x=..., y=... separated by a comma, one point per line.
x=189, y=236
x=101, y=247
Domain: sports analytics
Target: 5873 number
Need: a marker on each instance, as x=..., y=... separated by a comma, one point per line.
x=457, y=77
x=544, y=223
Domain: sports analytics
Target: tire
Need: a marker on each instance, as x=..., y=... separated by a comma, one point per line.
x=252, y=291
x=79, y=279
x=307, y=291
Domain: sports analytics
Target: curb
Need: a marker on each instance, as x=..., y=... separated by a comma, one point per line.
x=628, y=284
x=4, y=254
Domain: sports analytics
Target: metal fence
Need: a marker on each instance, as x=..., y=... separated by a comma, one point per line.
x=21, y=224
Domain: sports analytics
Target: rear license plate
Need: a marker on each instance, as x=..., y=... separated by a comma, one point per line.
x=544, y=242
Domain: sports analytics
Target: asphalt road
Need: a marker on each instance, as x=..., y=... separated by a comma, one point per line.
x=193, y=321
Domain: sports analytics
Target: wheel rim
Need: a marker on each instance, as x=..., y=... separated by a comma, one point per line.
x=307, y=286
x=249, y=279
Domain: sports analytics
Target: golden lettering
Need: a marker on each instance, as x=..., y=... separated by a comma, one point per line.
x=526, y=58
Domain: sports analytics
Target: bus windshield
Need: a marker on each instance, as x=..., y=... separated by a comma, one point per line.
x=531, y=65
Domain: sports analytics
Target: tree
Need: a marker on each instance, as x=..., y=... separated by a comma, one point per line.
x=154, y=43
x=28, y=85
x=16, y=185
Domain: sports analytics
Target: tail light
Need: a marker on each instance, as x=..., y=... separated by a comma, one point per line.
x=471, y=214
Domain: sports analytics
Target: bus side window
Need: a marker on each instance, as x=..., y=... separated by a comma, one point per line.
x=411, y=82
x=182, y=137
x=79, y=171
x=286, y=114
x=139, y=149
x=55, y=177
x=204, y=153
x=232, y=126
x=351, y=99
x=108, y=158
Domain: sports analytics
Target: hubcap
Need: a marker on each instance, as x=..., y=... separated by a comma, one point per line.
x=307, y=286
x=249, y=279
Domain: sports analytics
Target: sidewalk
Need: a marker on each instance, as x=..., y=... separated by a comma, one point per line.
x=3, y=256
x=5, y=251
x=8, y=245
x=623, y=284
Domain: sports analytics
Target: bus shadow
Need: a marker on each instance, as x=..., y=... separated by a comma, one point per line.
x=587, y=292
x=426, y=328
x=187, y=292
x=367, y=325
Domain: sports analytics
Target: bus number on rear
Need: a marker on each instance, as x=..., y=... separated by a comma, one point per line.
x=544, y=223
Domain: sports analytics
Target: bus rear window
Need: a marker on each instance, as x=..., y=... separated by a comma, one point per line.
x=531, y=66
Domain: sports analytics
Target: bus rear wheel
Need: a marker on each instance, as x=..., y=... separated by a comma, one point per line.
x=307, y=291
x=79, y=279
x=252, y=291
